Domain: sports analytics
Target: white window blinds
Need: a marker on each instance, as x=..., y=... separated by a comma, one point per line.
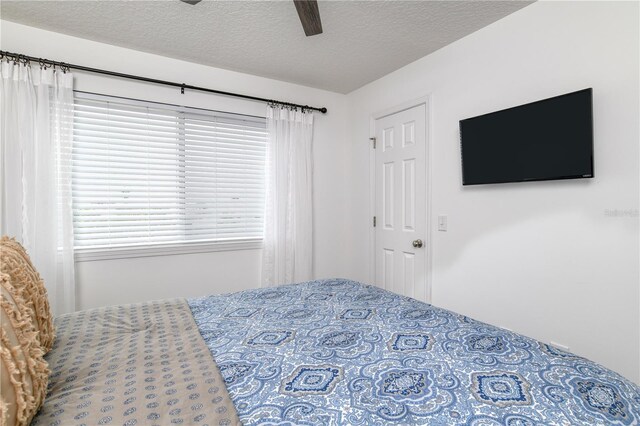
x=147, y=174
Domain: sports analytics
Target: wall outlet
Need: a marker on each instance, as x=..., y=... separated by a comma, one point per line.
x=559, y=346
x=442, y=223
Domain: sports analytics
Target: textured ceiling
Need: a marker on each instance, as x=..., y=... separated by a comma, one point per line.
x=362, y=40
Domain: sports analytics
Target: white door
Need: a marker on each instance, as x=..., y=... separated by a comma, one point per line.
x=401, y=203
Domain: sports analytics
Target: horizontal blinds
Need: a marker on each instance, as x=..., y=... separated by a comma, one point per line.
x=146, y=173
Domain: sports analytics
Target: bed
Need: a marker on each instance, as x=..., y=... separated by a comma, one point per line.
x=339, y=352
x=328, y=352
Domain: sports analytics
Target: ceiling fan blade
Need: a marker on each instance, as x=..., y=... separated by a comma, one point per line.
x=192, y=2
x=309, y=16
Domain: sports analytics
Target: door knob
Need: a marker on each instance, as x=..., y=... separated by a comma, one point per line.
x=417, y=243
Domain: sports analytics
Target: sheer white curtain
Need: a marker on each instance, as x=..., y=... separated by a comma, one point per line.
x=36, y=114
x=287, y=252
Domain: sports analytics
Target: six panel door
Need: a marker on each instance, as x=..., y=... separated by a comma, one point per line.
x=400, y=204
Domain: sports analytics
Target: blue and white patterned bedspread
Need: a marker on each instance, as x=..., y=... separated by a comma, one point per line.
x=340, y=352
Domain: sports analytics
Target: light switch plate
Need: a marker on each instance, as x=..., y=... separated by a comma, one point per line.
x=442, y=223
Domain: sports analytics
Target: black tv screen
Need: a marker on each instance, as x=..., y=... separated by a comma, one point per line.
x=543, y=140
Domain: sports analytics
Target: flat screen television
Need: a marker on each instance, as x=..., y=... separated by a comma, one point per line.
x=543, y=140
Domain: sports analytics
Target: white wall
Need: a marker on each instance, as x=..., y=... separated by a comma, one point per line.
x=128, y=280
x=541, y=258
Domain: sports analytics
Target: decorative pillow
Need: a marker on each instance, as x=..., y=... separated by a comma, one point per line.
x=23, y=371
x=28, y=286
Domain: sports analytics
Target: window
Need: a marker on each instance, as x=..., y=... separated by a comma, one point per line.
x=151, y=175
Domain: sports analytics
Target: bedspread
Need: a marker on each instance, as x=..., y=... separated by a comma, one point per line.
x=340, y=352
x=139, y=364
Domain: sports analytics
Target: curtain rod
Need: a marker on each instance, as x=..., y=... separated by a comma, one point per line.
x=66, y=66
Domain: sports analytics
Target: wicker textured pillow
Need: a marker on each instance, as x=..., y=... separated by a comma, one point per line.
x=23, y=371
x=29, y=287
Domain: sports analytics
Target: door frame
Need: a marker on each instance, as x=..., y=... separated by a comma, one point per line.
x=425, y=100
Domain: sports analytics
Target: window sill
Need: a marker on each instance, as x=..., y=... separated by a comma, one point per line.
x=88, y=254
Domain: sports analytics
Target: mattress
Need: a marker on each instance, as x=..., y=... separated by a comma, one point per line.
x=337, y=352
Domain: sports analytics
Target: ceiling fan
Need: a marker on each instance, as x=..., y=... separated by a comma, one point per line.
x=308, y=13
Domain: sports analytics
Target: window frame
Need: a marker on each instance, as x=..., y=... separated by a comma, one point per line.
x=124, y=251
x=166, y=249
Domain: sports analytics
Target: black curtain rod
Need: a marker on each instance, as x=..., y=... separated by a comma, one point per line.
x=65, y=66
